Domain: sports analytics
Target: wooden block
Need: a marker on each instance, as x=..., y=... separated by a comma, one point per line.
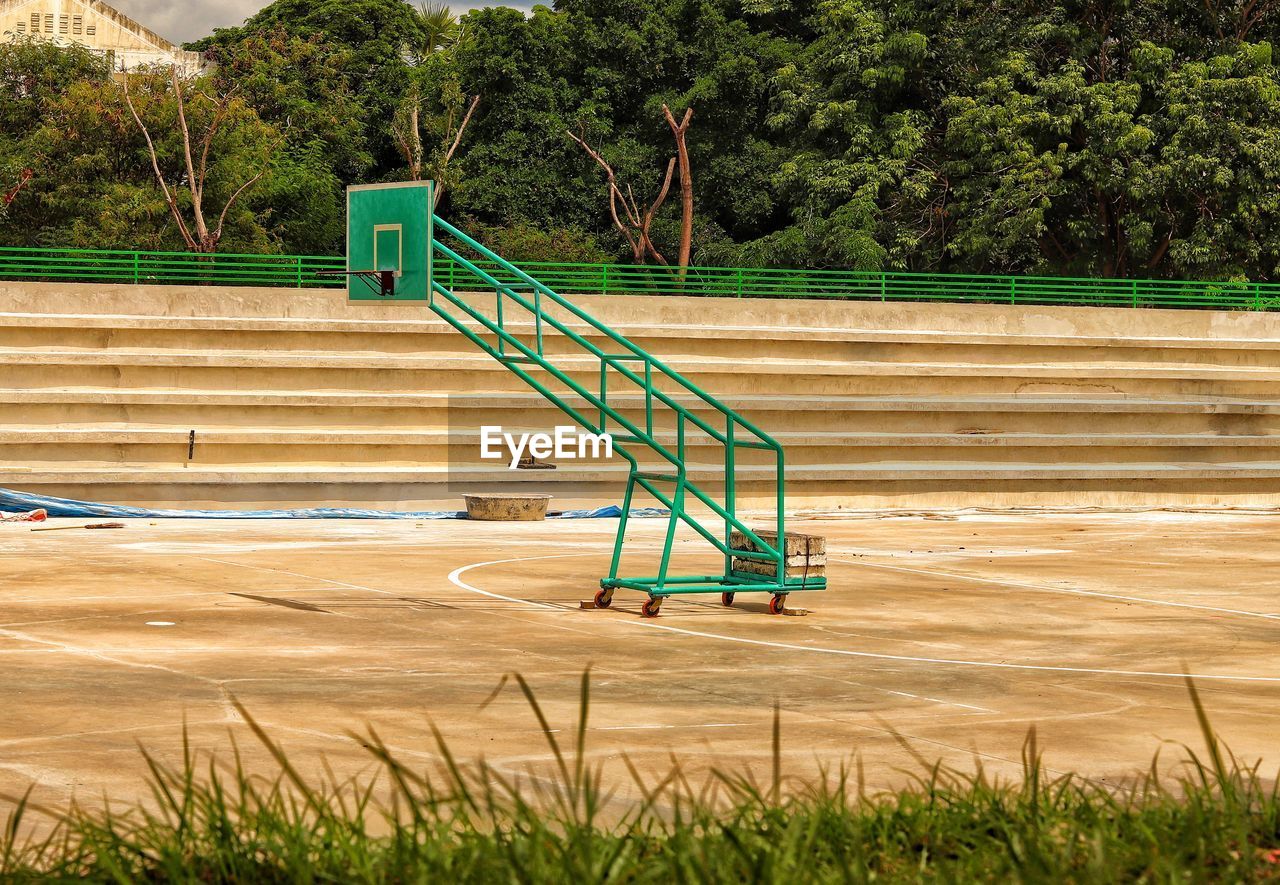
x=797, y=544
x=759, y=567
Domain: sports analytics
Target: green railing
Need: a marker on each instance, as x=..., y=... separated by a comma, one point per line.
x=300, y=271
x=737, y=282
x=173, y=268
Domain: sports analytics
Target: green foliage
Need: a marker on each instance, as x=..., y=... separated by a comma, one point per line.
x=463, y=820
x=438, y=28
x=94, y=186
x=34, y=72
x=520, y=166
x=33, y=75
x=522, y=241
x=367, y=40
x=1137, y=138
x=297, y=83
x=1077, y=155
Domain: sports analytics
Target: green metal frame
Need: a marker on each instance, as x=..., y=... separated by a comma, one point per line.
x=298, y=271
x=673, y=487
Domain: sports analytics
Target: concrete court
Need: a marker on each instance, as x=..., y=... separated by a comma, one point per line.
x=957, y=632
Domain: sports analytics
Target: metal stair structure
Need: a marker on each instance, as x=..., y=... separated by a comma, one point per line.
x=668, y=399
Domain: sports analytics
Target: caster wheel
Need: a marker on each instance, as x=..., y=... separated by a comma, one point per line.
x=651, y=606
x=726, y=598
x=777, y=603
x=604, y=598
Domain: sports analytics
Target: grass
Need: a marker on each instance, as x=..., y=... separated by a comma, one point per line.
x=462, y=821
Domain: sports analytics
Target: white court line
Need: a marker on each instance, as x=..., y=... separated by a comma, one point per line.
x=920, y=697
x=1072, y=591
x=455, y=577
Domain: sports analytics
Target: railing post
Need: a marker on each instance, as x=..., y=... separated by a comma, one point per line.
x=1013, y=290
x=137, y=278
x=604, y=279
x=298, y=261
x=739, y=282
x=884, y=281
x=1134, y=288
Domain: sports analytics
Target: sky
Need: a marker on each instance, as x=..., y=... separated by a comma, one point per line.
x=183, y=20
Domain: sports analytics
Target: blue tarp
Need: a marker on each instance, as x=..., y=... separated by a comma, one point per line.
x=20, y=502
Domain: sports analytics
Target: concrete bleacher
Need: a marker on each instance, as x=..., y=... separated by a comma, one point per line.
x=299, y=398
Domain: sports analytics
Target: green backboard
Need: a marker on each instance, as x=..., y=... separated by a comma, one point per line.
x=389, y=229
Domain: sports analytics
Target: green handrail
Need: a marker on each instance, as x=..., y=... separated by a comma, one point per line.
x=301, y=271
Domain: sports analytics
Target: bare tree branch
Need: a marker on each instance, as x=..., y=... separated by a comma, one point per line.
x=169, y=196
x=653, y=210
x=11, y=194
x=408, y=137
x=222, y=106
x=197, y=192
x=613, y=210
x=406, y=133
x=453, y=148
x=615, y=194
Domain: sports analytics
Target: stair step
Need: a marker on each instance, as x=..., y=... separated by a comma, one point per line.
x=1082, y=403
x=913, y=471
x=134, y=435
x=450, y=362
x=429, y=325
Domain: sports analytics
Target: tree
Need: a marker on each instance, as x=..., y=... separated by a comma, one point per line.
x=634, y=224
x=93, y=185
x=679, y=131
x=1110, y=137
x=720, y=56
x=1086, y=155
x=850, y=106
x=222, y=115
x=298, y=83
x=438, y=29
x=434, y=92
x=35, y=72
x=372, y=63
x=518, y=65
x=407, y=128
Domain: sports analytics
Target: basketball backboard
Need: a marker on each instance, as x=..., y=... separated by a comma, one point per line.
x=389, y=231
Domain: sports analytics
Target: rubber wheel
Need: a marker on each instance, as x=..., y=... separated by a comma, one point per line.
x=726, y=598
x=604, y=598
x=651, y=606
x=777, y=603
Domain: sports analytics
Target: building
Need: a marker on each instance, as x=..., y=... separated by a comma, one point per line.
x=92, y=23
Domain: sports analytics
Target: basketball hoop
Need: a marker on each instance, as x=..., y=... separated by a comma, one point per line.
x=381, y=281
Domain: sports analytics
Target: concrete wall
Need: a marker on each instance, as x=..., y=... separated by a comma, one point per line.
x=298, y=397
